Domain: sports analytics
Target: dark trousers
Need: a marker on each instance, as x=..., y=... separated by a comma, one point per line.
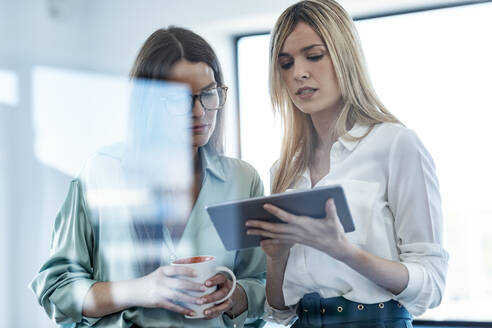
x=333, y=312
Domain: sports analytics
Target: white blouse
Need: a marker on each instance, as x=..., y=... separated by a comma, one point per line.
x=392, y=190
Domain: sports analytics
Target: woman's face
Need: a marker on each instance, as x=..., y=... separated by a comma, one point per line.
x=199, y=77
x=307, y=71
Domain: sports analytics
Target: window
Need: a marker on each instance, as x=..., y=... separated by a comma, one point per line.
x=432, y=69
x=9, y=86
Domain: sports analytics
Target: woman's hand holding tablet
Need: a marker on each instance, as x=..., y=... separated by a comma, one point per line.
x=289, y=209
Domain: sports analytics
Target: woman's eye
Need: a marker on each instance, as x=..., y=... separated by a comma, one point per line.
x=286, y=65
x=208, y=93
x=315, y=57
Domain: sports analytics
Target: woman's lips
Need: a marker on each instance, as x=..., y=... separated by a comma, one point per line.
x=306, y=93
x=199, y=128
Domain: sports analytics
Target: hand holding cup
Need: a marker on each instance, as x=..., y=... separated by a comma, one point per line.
x=218, y=288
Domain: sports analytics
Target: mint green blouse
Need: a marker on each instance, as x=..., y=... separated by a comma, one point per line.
x=80, y=254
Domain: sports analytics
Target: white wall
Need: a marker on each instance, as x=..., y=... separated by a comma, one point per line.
x=4, y=173
x=100, y=36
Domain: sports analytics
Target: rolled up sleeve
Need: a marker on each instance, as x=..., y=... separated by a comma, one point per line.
x=64, y=280
x=414, y=199
x=250, y=270
x=283, y=317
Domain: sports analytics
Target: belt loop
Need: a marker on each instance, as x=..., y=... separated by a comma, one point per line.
x=312, y=317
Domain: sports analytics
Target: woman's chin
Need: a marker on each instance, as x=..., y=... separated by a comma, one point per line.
x=309, y=110
x=312, y=109
x=199, y=141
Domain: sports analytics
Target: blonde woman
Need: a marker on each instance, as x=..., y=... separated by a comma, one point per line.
x=337, y=131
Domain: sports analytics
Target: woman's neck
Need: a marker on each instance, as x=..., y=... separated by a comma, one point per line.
x=324, y=125
x=197, y=161
x=197, y=175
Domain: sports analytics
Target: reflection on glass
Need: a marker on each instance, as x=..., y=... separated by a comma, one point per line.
x=75, y=113
x=9, y=88
x=138, y=191
x=131, y=153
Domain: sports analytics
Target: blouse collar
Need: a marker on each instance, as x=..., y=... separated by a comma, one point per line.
x=357, y=131
x=211, y=163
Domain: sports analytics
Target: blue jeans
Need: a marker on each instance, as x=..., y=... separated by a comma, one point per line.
x=333, y=312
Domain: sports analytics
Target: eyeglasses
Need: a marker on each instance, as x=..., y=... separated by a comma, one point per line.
x=210, y=99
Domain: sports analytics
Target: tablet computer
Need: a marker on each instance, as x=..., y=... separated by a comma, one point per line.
x=229, y=218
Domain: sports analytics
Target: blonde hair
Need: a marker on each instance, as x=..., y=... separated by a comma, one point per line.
x=360, y=102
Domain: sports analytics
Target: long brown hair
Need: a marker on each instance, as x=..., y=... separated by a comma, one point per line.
x=360, y=102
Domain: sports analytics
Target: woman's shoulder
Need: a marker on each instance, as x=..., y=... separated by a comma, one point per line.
x=398, y=140
x=103, y=164
x=387, y=129
x=393, y=134
x=234, y=166
x=108, y=154
x=237, y=172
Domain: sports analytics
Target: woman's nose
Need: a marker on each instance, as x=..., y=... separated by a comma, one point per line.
x=300, y=71
x=197, y=109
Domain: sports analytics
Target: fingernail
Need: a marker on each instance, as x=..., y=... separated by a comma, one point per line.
x=191, y=313
x=199, y=301
x=248, y=232
x=208, y=283
x=247, y=223
x=207, y=312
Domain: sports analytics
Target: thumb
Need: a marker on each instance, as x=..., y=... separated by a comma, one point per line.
x=331, y=211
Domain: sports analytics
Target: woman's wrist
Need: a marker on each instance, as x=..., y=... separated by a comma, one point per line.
x=135, y=293
x=275, y=277
x=239, y=302
x=279, y=259
x=109, y=297
x=126, y=293
x=343, y=250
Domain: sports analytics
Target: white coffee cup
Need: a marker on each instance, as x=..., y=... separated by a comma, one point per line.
x=205, y=267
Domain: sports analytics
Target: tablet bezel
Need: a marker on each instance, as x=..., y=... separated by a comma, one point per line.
x=229, y=218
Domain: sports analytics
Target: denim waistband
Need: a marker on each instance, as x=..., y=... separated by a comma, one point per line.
x=314, y=311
